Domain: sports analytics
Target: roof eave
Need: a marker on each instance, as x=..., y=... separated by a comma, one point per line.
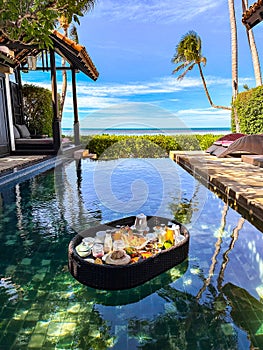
x=75, y=54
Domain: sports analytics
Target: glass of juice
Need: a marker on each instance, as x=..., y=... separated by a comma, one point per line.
x=97, y=250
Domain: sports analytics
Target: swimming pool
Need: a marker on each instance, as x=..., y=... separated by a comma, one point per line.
x=212, y=301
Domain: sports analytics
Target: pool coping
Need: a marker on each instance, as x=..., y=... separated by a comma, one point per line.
x=25, y=167
x=239, y=184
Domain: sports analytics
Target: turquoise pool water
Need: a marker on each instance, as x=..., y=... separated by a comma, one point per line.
x=214, y=300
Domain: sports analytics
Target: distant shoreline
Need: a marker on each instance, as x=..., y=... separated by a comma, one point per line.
x=146, y=131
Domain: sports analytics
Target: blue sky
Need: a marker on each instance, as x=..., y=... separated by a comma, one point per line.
x=132, y=42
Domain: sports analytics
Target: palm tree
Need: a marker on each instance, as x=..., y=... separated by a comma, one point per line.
x=187, y=55
x=234, y=50
x=253, y=49
x=66, y=21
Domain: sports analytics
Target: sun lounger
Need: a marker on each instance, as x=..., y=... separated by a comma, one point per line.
x=224, y=141
x=249, y=144
x=252, y=144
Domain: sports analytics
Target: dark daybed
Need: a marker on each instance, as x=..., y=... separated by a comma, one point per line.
x=23, y=139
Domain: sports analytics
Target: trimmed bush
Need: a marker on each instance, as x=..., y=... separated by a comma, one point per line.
x=249, y=106
x=144, y=146
x=38, y=109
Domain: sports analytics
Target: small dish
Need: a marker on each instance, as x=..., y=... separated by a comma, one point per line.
x=121, y=261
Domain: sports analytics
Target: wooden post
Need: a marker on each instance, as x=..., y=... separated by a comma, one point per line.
x=56, y=121
x=19, y=96
x=75, y=107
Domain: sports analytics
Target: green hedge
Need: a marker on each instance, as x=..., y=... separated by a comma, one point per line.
x=145, y=146
x=249, y=106
x=38, y=109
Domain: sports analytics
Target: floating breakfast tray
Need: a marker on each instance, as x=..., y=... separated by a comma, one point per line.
x=117, y=277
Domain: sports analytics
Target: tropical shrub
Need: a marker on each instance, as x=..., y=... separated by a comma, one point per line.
x=38, y=109
x=144, y=146
x=249, y=106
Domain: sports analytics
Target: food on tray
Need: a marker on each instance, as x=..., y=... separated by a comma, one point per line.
x=82, y=250
x=118, y=257
x=135, y=259
x=132, y=251
x=135, y=247
x=150, y=246
x=117, y=235
x=167, y=245
x=134, y=241
x=98, y=261
x=146, y=255
x=118, y=254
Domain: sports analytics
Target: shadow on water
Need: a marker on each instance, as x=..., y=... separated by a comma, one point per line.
x=133, y=295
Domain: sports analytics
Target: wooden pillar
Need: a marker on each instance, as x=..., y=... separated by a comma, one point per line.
x=18, y=80
x=75, y=107
x=56, y=121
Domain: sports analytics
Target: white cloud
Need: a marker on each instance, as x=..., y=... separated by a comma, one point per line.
x=136, y=114
x=204, y=111
x=166, y=11
x=205, y=116
x=101, y=96
x=109, y=104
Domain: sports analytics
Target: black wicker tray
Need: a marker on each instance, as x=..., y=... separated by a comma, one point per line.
x=109, y=277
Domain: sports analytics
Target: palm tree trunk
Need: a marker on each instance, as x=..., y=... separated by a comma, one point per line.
x=207, y=93
x=63, y=88
x=64, y=81
x=234, y=50
x=233, y=27
x=253, y=50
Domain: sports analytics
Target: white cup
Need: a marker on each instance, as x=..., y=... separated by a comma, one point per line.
x=118, y=244
x=88, y=241
x=100, y=236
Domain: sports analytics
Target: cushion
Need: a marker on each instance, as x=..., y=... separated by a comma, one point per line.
x=16, y=133
x=23, y=130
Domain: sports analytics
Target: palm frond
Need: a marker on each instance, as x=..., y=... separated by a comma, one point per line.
x=185, y=72
x=74, y=33
x=188, y=53
x=178, y=68
x=87, y=6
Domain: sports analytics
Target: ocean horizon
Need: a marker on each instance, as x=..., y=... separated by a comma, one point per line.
x=146, y=131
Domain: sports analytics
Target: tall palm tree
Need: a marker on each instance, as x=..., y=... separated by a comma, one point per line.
x=187, y=55
x=234, y=48
x=234, y=54
x=66, y=21
x=253, y=49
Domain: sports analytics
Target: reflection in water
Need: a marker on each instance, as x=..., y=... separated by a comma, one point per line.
x=234, y=238
x=184, y=208
x=247, y=313
x=186, y=324
x=211, y=301
x=133, y=295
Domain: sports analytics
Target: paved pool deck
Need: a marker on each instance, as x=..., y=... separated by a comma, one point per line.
x=14, y=163
x=238, y=183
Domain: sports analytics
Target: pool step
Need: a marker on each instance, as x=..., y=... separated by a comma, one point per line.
x=84, y=153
